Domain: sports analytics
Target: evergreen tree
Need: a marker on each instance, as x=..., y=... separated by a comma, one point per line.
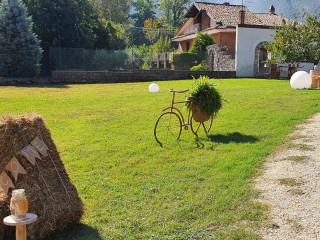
x=20, y=51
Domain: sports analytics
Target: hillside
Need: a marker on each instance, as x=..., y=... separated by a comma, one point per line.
x=287, y=8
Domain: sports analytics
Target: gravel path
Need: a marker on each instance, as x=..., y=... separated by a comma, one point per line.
x=290, y=186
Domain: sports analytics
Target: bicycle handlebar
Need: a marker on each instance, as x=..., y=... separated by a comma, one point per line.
x=171, y=90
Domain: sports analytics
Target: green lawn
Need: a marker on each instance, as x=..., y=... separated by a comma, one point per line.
x=133, y=188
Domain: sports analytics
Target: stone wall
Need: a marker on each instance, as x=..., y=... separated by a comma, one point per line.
x=24, y=81
x=182, y=66
x=219, y=60
x=136, y=76
x=66, y=77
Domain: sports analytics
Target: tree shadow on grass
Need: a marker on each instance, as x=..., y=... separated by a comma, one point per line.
x=235, y=137
x=78, y=232
x=43, y=85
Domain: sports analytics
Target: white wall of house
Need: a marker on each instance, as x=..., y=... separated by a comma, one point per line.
x=247, y=40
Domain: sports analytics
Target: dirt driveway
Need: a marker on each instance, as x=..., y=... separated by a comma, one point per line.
x=290, y=186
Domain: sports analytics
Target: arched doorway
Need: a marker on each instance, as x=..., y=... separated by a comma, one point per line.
x=261, y=55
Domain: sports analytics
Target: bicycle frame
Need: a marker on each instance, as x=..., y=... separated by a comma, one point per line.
x=174, y=114
x=172, y=108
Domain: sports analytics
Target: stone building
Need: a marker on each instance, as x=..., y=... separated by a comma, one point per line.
x=241, y=32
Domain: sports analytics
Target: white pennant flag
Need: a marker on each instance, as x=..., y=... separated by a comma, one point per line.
x=40, y=146
x=5, y=182
x=15, y=168
x=30, y=153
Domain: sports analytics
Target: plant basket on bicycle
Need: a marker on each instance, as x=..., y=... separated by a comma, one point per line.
x=197, y=114
x=204, y=102
x=199, y=121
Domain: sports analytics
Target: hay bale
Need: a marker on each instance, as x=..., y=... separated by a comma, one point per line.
x=52, y=197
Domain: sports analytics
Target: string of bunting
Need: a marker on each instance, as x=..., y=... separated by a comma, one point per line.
x=30, y=152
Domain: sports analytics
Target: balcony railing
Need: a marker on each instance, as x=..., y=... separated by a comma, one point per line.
x=192, y=29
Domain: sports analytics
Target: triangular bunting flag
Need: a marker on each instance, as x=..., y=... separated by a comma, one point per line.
x=40, y=146
x=5, y=182
x=15, y=168
x=30, y=153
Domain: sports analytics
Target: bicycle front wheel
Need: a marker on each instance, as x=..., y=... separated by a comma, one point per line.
x=168, y=128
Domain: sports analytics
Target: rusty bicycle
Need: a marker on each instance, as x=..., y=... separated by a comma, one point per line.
x=169, y=125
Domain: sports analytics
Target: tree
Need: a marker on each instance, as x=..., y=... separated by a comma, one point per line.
x=20, y=51
x=294, y=42
x=313, y=28
x=163, y=45
x=200, y=42
x=116, y=11
x=134, y=58
x=70, y=24
x=107, y=37
x=173, y=11
x=147, y=53
x=144, y=9
x=151, y=29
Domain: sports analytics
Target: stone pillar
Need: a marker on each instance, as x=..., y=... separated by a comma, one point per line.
x=158, y=61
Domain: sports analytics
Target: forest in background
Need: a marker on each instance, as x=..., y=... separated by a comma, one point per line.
x=121, y=24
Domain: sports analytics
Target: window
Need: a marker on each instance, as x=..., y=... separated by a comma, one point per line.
x=187, y=46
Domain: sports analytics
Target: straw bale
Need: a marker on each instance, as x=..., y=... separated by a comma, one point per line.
x=55, y=201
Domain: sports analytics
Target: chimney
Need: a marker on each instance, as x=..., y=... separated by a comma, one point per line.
x=226, y=3
x=242, y=14
x=272, y=10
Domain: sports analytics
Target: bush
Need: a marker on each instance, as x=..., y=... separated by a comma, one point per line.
x=201, y=41
x=185, y=57
x=203, y=66
x=205, y=96
x=145, y=66
x=224, y=48
x=110, y=60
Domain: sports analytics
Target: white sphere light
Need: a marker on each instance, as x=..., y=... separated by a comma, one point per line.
x=300, y=80
x=153, y=87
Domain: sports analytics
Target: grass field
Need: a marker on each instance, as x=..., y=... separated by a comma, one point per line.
x=193, y=189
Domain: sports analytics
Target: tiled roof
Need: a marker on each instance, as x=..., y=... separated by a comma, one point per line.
x=271, y=19
x=228, y=15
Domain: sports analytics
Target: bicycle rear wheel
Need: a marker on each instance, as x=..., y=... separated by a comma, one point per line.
x=168, y=128
x=200, y=128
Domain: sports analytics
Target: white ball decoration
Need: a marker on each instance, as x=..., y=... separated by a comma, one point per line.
x=300, y=80
x=153, y=87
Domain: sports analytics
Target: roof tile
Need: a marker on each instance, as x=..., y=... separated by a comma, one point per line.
x=229, y=15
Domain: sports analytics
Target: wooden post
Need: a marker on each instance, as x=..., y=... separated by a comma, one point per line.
x=165, y=61
x=158, y=60
x=21, y=229
x=21, y=232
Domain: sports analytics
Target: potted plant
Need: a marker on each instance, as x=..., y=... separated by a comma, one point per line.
x=204, y=99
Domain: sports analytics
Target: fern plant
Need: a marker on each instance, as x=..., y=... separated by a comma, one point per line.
x=204, y=95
